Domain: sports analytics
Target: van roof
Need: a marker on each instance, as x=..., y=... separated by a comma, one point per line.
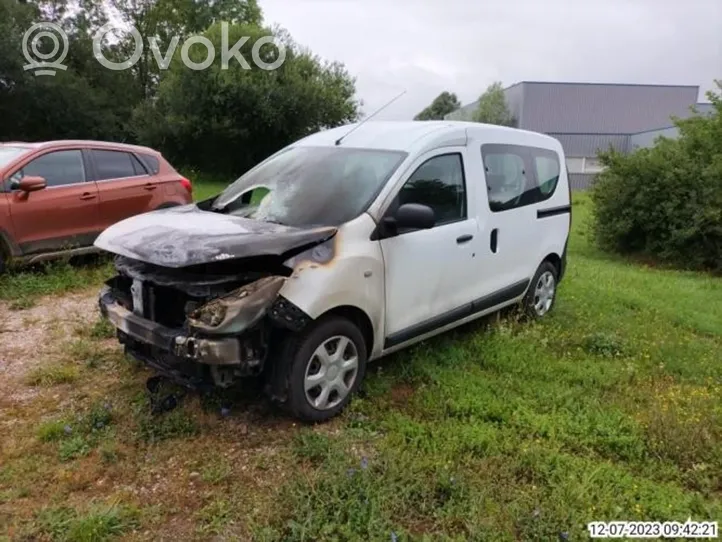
x=404, y=135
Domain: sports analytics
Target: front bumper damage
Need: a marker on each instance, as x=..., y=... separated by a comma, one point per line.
x=215, y=351
x=210, y=342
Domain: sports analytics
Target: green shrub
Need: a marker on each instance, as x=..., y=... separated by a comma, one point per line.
x=666, y=202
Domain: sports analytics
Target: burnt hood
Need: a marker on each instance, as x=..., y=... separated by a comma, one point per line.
x=186, y=235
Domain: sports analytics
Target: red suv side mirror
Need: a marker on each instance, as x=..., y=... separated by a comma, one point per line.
x=30, y=184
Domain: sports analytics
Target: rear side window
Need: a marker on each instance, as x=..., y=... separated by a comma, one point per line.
x=116, y=165
x=139, y=168
x=517, y=176
x=57, y=168
x=151, y=163
x=547, y=171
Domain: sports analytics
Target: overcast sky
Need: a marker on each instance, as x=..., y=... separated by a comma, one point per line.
x=428, y=46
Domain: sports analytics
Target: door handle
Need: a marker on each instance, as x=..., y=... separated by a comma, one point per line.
x=493, y=242
x=150, y=186
x=87, y=196
x=464, y=239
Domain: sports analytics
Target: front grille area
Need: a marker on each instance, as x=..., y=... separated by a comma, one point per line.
x=162, y=304
x=166, y=305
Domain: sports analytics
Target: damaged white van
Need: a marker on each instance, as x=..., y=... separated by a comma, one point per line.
x=343, y=247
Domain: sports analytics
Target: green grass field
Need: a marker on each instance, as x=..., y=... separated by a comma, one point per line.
x=609, y=409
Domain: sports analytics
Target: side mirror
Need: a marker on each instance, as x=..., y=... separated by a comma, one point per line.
x=29, y=184
x=415, y=216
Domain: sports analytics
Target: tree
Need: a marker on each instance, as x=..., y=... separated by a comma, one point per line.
x=492, y=108
x=665, y=202
x=442, y=105
x=226, y=120
x=221, y=121
x=85, y=101
x=166, y=19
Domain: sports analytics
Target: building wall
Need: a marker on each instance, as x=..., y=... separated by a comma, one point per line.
x=603, y=108
x=580, y=182
x=591, y=144
x=647, y=139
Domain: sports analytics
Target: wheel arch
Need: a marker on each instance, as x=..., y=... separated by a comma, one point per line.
x=8, y=249
x=556, y=260
x=359, y=318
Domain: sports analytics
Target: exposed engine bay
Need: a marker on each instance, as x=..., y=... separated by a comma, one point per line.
x=209, y=323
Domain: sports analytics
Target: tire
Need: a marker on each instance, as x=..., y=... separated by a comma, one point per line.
x=338, y=376
x=540, y=297
x=2, y=262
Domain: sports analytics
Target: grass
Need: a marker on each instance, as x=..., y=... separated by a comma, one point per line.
x=205, y=186
x=52, y=374
x=97, y=523
x=608, y=409
x=23, y=286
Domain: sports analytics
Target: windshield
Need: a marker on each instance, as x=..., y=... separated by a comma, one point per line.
x=8, y=154
x=311, y=186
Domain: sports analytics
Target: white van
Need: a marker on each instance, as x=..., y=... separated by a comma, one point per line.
x=341, y=248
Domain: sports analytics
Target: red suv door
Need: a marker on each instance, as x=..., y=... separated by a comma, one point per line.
x=124, y=186
x=64, y=214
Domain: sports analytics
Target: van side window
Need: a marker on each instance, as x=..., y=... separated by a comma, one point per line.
x=439, y=183
x=546, y=166
x=517, y=176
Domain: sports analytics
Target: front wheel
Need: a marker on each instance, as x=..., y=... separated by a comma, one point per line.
x=540, y=298
x=328, y=363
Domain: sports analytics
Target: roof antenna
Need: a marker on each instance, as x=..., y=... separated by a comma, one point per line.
x=340, y=139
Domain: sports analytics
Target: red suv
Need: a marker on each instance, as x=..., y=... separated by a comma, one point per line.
x=56, y=197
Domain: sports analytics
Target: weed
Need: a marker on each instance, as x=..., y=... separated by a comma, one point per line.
x=216, y=470
x=22, y=303
x=109, y=453
x=77, y=435
x=96, y=524
x=102, y=329
x=215, y=516
x=603, y=344
x=175, y=424
x=316, y=447
x=52, y=431
x=74, y=448
x=53, y=374
x=87, y=351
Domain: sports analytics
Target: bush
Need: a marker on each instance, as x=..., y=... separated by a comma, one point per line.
x=666, y=202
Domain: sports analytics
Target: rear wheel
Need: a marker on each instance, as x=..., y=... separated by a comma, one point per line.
x=328, y=363
x=540, y=298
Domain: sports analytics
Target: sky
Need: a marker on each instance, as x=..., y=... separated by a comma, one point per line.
x=427, y=46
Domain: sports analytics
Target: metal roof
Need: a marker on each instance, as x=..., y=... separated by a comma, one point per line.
x=603, y=108
x=591, y=144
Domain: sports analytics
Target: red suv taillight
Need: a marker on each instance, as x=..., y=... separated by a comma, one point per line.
x=187, y=185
